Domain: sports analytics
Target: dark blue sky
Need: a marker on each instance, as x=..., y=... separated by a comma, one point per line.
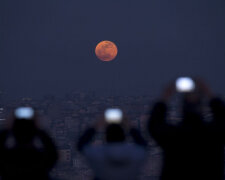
x=47, y=46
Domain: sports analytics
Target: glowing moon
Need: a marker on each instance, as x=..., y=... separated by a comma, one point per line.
x=106, y=50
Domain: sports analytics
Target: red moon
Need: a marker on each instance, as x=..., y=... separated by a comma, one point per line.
x=106, y=50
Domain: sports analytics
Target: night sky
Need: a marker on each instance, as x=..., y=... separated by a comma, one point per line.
x=47, y=46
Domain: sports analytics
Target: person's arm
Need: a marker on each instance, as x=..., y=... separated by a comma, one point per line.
x=157, y=125
x=49, y=149
x=88, y=135
x=86, y=138
x=157, y=122
x=137, y=137
x=157, y=116
x=218, y=110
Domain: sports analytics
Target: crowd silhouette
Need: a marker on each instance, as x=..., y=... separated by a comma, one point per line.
x=192, y=149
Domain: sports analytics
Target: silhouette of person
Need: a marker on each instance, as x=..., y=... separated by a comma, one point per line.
x=26, y=151
x=116, y=158
x=194, y=149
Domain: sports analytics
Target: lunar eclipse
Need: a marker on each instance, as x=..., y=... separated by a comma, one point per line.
x=106, y=50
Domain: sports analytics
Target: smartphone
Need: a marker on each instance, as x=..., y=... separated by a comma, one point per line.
x=24, y=113
x=185, y=84
x=113, y=115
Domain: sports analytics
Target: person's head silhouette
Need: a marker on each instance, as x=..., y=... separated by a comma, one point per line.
x=115, y=133
x=24, y=124
x=192, y=107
